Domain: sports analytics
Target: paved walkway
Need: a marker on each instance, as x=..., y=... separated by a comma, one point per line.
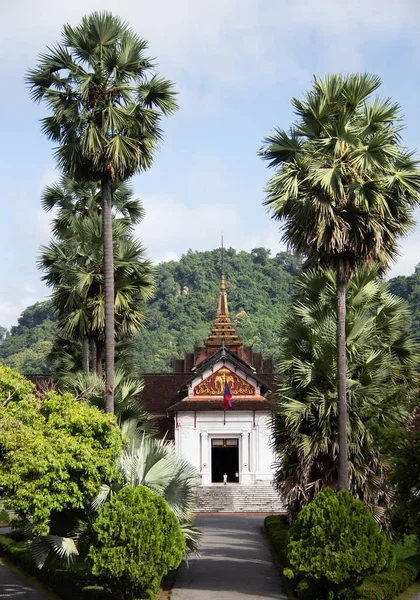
x=12, y=587
x=235, y=563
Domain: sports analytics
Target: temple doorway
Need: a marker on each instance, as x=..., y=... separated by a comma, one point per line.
x=224, y=459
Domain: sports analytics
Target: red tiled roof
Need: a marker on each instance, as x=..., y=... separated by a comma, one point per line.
x=161, y=390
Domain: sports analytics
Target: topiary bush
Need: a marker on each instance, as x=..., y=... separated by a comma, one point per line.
x=138, y=541
x=334, y=543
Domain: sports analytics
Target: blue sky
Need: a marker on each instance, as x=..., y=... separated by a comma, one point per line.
x=236, y=64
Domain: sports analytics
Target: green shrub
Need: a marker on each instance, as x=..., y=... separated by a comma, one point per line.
x=277, y=528
x=138, y=540
x=55, y=452
x=334, y=544
x=4, y=517
x=18, y=553
x=68, y=583
x=388, y=585
x=95, y=592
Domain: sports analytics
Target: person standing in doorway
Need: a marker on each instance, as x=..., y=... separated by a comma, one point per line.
x=237, y=477
x=225, y=478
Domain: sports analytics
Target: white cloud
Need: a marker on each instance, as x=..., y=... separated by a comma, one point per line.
x=170, y=228
x=15, y=297
x=218, y=52
x=229, y=41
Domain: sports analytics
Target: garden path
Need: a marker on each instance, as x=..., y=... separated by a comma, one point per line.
x=13, y=587
x=235, y=563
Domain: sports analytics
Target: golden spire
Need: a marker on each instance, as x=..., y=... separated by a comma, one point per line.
x=223, y=332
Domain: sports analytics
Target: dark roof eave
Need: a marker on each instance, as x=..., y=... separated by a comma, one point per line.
x=217, y=405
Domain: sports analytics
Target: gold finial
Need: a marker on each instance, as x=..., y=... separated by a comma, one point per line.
x=222, y=275
x=223, y=333
x=223, y=257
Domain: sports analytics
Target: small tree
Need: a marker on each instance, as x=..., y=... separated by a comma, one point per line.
x=138, y=541
x=54, y=453
x=334, y=544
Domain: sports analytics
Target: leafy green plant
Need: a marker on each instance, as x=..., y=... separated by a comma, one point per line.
x=138, y=541
x=4, y=517
x=156, y=465
x=334, y=544
x=55, y=452
x=277, y=528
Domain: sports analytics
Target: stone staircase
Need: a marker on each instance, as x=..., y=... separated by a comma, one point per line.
x=238, y=499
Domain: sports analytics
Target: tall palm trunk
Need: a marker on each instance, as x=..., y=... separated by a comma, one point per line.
x=85, y=355
x=93, y=355
x=99, y=359
x=108, y=293
x=343, y=470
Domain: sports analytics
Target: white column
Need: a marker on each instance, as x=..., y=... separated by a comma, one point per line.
x=205, y=459
x=245, y=473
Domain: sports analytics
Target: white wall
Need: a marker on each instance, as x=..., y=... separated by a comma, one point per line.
x=193, y=435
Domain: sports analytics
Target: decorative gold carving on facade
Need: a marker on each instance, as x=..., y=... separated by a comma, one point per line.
x=215, y=384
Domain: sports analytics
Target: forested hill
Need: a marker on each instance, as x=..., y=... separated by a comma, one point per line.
x=181, y=314
x=182, y=311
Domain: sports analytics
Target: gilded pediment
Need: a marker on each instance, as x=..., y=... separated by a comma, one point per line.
x=214, y=385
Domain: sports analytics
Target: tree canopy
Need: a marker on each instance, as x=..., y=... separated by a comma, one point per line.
x=259, y=288
x=382, y=384
x=344, y=190
x=54, y=453
x=106, y=103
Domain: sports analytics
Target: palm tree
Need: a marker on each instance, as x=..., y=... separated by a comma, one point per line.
x=156, y=465
x=105, y=117
x=74, y=268
x=345, y=189
x=382, y=387
x=75, y=201
x=133, y=419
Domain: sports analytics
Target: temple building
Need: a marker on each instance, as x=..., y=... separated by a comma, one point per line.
x=189, y=407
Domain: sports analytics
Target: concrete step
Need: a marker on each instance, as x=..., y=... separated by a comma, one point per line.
x=238, y=498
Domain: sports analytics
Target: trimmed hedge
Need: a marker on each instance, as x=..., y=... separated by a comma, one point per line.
x=67, y=583
x=382, y=586
x=388, y=585
x=277, y=528
x=17, y=552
